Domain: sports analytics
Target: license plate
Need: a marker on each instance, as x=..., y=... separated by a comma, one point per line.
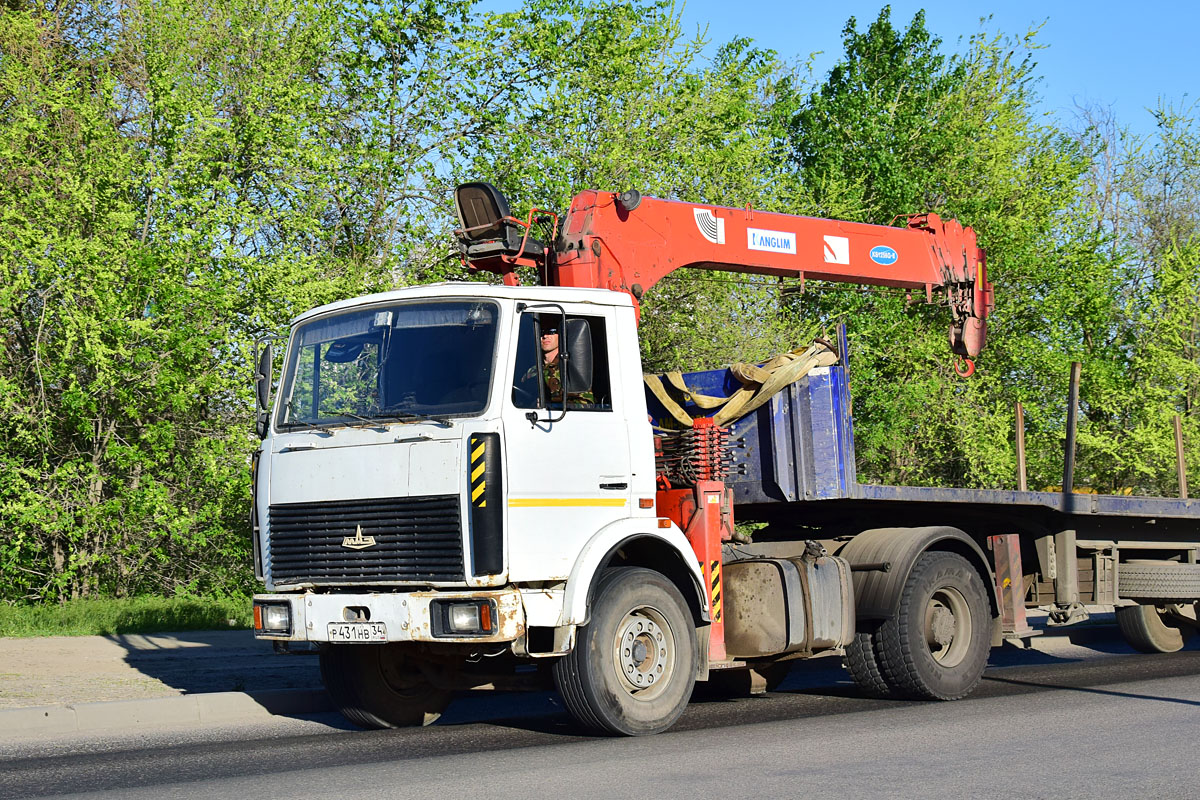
x=357, y=632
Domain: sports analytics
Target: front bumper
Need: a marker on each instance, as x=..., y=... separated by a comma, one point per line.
x=407, y=616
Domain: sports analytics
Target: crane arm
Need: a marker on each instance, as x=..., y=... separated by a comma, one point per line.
x=627, y=243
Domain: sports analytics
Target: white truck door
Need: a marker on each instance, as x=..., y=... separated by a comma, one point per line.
x=568, y=474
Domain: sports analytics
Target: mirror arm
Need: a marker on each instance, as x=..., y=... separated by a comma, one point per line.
x=562, y=364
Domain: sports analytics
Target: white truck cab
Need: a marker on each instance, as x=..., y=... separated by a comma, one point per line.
x=423, y=494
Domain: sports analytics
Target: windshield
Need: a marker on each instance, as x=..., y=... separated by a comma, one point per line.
x=410, y=360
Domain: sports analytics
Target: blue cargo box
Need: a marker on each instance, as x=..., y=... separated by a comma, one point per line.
x=798, y=446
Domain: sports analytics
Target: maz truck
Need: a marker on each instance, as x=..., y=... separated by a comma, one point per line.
x=433, y=513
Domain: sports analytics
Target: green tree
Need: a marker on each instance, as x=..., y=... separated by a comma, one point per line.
x=180, y=178
x=1142, y=198
x=899, y=127
x=619, y=98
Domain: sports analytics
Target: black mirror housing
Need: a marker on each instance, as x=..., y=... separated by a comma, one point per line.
x=579, y=356
x=262, y=377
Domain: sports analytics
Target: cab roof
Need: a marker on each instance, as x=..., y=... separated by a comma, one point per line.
x=533, y=294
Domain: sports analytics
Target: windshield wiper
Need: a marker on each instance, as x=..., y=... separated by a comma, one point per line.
x=397, y=414
x=307, y=425
x=373, y=422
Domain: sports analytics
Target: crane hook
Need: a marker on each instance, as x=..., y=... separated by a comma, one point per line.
x=964, y=367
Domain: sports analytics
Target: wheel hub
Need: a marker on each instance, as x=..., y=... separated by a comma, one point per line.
x=941, y=628
x=644, y=652
x=947, y=626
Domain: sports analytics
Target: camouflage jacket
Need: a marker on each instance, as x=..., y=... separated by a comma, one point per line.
x=553, y=381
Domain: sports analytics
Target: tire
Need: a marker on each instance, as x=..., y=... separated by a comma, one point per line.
x=937, y=644
x=862, y=661
x=611, y=682
x=1148, y=580
x=380, y=686
x=1148, y=629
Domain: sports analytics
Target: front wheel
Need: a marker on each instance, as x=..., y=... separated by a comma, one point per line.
x=380, y=686
x=937, y=644
x=634, y=664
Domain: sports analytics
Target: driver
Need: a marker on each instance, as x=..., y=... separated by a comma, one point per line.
x=550, y=369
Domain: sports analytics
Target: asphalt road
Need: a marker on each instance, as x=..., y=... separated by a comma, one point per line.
x=1039, y=726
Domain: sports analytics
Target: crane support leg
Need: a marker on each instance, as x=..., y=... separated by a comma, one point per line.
x=1010, y=586
x=704, y=513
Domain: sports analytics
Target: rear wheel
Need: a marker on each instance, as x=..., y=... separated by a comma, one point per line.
x=936, y=646
x=380, y=686
x=634, y=664
x=862, y=660
x=1152, y=629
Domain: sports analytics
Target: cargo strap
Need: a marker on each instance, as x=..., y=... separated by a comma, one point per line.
x=759, y=384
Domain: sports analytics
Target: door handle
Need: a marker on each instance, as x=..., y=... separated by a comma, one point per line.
x=616, y=487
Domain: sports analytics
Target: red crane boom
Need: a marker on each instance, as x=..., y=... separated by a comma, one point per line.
x=627, y=243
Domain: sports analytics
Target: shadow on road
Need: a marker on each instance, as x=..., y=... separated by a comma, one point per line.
x=216, y=661
x=1090, y=690
x=224, y=661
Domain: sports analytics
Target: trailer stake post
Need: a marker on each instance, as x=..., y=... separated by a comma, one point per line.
x=1072, y=423
x=1022, y=483
x=1010, y=586
x=1180, y=464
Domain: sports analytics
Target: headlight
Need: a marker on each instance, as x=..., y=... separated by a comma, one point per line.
x=272, y=618
x=463, y=618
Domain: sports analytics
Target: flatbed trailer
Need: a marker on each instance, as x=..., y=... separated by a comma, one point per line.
x=793, y=468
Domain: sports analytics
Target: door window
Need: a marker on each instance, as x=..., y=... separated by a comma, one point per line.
x=532, y=347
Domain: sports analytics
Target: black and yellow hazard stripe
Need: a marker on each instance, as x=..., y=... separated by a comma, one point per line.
x=484, y=492
x=714, y=588
x=478, y=472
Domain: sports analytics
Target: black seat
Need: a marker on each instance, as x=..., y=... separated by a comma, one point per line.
x=487, y=229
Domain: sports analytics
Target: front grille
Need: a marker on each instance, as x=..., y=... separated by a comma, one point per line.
x=417, y=539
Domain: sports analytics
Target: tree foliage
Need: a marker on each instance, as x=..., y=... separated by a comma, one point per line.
x=178, y=178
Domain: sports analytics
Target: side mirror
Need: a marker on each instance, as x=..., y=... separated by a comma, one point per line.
x=579, y=356
x=262, y=388
x=262, y=377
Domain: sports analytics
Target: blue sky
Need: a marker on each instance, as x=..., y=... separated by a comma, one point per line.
x=1123, y=55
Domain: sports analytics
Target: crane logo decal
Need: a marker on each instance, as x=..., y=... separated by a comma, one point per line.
x=771, y=241
x=884, y=255
x=837, y=250
x=711, y=226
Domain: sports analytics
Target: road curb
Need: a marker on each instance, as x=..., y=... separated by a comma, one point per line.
x=188, y=709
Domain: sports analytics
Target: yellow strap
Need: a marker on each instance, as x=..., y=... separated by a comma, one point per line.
x=759, y=384
x=748, y=373
x=701, y=400
x=789, y=368
x=656, y=388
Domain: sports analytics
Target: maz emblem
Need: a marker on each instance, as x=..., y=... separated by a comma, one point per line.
x=358, y=541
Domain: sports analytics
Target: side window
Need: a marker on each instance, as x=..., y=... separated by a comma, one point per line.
x=526, y=392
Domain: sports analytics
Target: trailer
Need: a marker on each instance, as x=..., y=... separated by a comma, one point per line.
x=792, y=469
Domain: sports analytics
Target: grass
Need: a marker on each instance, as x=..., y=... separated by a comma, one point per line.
x=106, y=616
